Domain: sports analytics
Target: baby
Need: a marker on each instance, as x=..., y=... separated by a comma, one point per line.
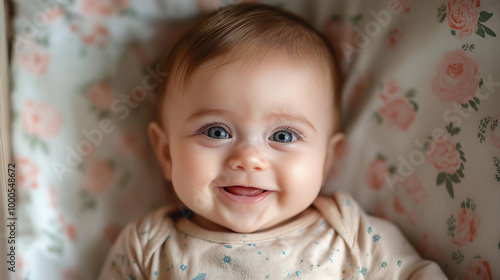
x=248, y=128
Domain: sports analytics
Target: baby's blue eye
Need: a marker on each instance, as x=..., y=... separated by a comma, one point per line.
x=217, y=132
x=283, y=136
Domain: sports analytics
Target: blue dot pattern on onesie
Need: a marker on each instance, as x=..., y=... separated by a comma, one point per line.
x=363, y=271
x=200, y=276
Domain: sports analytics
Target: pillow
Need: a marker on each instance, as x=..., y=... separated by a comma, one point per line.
x=420, y=114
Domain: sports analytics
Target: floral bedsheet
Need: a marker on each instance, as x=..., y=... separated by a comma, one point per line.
x=421, y=111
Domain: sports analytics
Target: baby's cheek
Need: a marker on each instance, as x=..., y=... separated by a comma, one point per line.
x=190, y=164
x=192, y=174
x=302, y=175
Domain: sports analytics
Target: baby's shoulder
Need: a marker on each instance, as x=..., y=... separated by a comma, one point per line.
x=342, y=212
x=339, y=204
x=152, y=230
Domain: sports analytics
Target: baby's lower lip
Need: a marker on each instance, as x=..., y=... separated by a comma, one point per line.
x=254, y=196
x=244, y=191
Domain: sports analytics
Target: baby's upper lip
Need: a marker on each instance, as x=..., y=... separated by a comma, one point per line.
x=247, y=186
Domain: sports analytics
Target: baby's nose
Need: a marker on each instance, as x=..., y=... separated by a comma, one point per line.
x=248, y=159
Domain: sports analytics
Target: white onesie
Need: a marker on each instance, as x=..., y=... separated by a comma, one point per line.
x=332, y=239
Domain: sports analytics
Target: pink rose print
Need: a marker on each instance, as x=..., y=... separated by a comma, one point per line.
x=428, y=246
x=398, y=112
x=102, y=7
x=495, y=134
x=101, y=95
x=394, y=36
x=98, y=176
x=466, y=228
x=444, y=156
x=478, y=270
x=375, y=175
x=462, y=16
x=41, y=119
x=457, y=78
x=35, y=60
x=398, y=206
x=71, y=232
x=406, y=5
x=68, y=229
x=99, y=36
x=111, y=232
x=133, y=204
x=27, y=174
x=413, y=186
x=391, y=89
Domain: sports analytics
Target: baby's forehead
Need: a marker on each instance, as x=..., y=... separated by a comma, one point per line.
x=319, y=71
x=217, y=82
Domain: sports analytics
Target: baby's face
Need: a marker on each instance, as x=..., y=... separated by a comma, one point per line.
x=248, y=147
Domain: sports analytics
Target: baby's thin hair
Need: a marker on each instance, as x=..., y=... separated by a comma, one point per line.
x=247, y=32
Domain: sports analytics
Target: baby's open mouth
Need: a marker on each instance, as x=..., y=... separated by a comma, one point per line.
x=244, y=191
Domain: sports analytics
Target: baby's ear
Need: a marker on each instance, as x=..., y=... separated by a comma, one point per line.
x=334, y=145
x=159, y=141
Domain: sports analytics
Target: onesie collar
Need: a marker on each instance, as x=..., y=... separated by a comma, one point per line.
x=302, y=220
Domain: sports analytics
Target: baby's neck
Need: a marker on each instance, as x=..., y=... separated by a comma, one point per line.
x=209, y=225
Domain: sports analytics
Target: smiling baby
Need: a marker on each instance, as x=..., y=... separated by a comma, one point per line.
x=249, y=125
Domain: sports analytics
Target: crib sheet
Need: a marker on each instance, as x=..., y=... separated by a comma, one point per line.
x=421, y=105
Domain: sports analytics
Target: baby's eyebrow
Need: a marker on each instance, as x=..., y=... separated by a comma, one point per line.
x=296, y=118
x=204, y=112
